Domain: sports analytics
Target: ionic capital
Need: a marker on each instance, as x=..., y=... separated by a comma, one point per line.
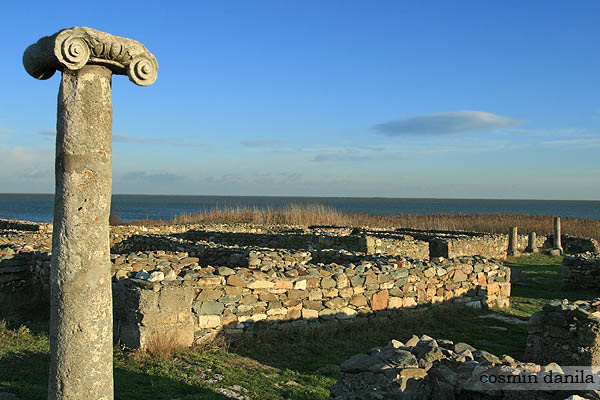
x=71, y=49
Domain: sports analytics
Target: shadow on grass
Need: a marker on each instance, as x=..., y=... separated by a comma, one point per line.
x=26, y=375
x=543, y=278
x=308, y=349
x=24, y=306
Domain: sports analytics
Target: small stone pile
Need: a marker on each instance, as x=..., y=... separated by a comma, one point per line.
x=425, y=368
x=583, y=270
x=421, y=368
x=565, y=332
x=163, y=264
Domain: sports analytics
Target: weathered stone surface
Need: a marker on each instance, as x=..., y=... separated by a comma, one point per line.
x=358, y=363
x=379, y=300
x=209, y=294
x=209, y=321
x=235, y=280
x=261, y=284
x=71, y=49
x=79, y=336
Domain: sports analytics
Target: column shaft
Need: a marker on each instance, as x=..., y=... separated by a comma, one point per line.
x=81, y=324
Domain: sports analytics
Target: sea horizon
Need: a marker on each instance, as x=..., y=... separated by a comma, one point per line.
x=315, y=196
x=38, y=207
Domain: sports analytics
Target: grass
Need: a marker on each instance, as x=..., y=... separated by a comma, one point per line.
x=541, y=282
x=281, y=364
x=317, y=214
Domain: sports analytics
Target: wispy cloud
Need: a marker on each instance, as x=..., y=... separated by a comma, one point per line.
x=48, y=135
x=263, y=143
x=37, y=175
x=587, y=142
x=6, y=131
x=343, y=157
x=121, y=138
x=47, y=132
x=155, y=177
x=448, y=123
x=555, y=132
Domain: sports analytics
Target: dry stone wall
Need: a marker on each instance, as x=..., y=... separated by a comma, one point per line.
x=397, y=245
x=22, y=255
x=583, y=271
x=235, y=300
x=8, y=224
x=575, y=245
x=451, y=244
x=239, y=288
x=565, y=333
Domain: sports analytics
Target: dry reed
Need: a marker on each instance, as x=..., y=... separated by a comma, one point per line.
x=164, y=344
x=321, y=215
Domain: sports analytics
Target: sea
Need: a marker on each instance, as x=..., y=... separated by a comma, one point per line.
x=39, y=207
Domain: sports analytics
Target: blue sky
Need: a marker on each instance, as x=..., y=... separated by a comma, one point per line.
x=328, y=98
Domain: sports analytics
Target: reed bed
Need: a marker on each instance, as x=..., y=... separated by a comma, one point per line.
x=317, y=214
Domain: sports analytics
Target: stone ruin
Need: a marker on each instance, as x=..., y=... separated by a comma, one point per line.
x=583, y=270
x=196, y=281
x=193, y=282
x=426, y=368
x=564, y=332
x=190, y=283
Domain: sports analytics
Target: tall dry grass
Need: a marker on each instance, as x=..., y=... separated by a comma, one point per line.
x=321, y=215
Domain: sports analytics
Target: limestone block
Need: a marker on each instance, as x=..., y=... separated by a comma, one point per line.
x=379, y=301
x=261, y=284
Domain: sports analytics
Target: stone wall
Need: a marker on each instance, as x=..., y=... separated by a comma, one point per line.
x=451, y=244
x=488, y=246
x=575, y=245
x=565, y=333
x=9, y=224
x=20, y=264
x=396, y=245
x=209, y=253
x=235, y=300
x=583, y=271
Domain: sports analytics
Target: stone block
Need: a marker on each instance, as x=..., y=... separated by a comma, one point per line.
x=379, y=301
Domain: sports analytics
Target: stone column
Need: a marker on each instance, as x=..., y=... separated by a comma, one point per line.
x=532, y=246
x=557, y=244
x=513, y=242
x=81, y=331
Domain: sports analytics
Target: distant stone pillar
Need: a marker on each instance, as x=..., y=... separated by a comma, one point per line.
x=557, y=242
x=532, y=246
x=513, y=242
x=81, y=324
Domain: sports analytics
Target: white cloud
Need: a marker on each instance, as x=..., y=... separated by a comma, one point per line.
x=586, y=142
x=152, y=177
x=262, y=143
x=448, y=123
